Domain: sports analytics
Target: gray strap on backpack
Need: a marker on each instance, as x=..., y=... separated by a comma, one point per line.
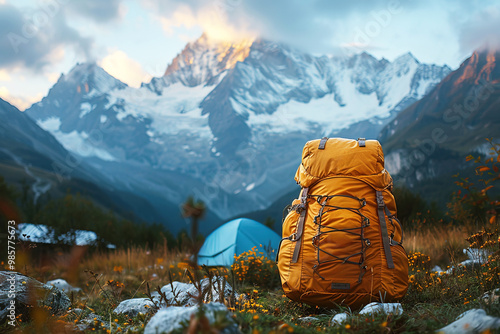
x=322, y=143
x=300, y=225
x=391, y=216
x=362, y=142
x=383, y=228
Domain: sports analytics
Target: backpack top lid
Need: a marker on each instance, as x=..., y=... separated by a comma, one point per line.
x=343, y=158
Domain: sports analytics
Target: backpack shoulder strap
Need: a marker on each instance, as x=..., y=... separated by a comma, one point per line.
x=300, y=224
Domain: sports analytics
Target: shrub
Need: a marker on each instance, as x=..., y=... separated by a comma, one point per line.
x=255, y=268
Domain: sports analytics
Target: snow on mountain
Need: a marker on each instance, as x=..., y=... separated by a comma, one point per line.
x=204, y=61
x=231, y=118
x=176, y=112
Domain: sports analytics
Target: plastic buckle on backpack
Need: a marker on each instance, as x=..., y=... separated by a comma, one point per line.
x=380, y=201
x=292, y=237
x=300, y=207
x=393, y=242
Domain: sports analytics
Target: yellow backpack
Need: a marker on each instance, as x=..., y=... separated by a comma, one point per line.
x=342, y=242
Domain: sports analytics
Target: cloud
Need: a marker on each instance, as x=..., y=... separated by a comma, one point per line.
x=29, y=37
x=211, y=18
x=122, y=67
x=182, y=16
x=480, y=30
x=22, y=103
x=385, y=27
x=317, y=26
x=100, y=11
x=4, y=76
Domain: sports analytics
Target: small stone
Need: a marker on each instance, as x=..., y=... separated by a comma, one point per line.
x=91, y=321
x=437, y=269
x=491, y=297
x=307, y=319
x=63, y=285
x=338, y=319
x=387, y=308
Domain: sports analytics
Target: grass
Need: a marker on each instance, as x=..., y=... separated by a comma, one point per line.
x=108, y=278
x=442, y=243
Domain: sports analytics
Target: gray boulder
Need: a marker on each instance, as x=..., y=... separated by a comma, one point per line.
x=19, y=292
x=175, y=318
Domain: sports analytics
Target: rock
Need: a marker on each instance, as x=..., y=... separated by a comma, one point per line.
x=184, y=294
x=132, y=307
x=437, y=269
x=92, y=322
x=63, y=285
x=472, y=321
x=221, y=290
x=307, y=319
x=28, y=292
x=394, y=308
x=172, y=318
x=338, y=319
x=177, y=293
x=76, y=311
x=491, y=297
x=477, y=255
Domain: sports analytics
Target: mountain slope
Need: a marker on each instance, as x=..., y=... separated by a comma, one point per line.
x=227, y=121
x=432, y=137
x=29, y=155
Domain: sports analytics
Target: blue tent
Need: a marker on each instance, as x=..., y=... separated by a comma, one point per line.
x=235, y=237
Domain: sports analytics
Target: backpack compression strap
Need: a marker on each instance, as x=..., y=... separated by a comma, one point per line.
x=383, y=227
x=300, y=225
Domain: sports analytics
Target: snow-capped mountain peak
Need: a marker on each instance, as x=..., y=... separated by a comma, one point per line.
x=202, y=62
x=91, y=79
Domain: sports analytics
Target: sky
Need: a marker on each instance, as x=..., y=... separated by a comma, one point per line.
x=135, y=40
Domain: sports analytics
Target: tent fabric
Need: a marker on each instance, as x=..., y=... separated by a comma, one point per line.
x=233, y=238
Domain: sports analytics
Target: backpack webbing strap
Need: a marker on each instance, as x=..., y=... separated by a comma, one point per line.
x=300, y=225
x=362, y=142
x=383, y=227
x=322, y=143
x=391, y=216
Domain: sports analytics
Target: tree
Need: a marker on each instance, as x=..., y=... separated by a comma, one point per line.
x=8, y=198
x=194, y=210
